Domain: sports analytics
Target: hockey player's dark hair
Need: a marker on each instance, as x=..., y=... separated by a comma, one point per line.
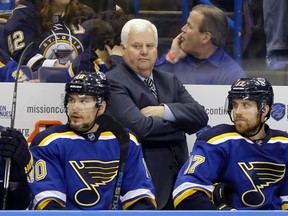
x=117, y=19
x=102, y=32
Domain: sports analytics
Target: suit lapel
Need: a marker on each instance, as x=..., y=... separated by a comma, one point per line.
x=144, y=87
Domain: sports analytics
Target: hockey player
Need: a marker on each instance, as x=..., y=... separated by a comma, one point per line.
x=13, y=145
x=75, y=165
x=249, y=158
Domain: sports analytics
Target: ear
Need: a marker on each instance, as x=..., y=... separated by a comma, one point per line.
x=206, y=37
x=102, y=108
x=265, y=110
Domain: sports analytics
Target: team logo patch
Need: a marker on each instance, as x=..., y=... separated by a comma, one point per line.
x=278, y=111
x=62, y=46
x=94, y=175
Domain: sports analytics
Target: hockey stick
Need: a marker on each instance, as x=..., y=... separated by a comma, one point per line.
x=13, y=113
x=110, y=123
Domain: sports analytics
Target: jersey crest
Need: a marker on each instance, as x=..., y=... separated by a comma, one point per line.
x=61, y=44
x=94, y=174
x=60, y=47
x=260, y=174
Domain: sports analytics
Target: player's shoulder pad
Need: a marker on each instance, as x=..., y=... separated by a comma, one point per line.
x=219, y=131
x=50, y=131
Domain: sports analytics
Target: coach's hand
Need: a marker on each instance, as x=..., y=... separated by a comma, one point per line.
x=13, y=145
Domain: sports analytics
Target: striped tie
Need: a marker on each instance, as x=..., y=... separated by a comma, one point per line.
x=149, y=83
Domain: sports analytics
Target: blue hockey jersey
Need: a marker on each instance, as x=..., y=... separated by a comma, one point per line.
x=256, y=171
x=79, y=172
x=8, y=69
x=8, y=72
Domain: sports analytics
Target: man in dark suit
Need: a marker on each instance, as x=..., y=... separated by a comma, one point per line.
x=161, y=115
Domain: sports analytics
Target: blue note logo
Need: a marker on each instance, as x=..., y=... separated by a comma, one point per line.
x=278, y=111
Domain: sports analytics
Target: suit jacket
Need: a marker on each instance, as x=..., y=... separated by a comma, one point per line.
x=164, y=142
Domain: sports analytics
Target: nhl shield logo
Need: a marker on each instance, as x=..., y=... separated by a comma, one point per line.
x=278, y=111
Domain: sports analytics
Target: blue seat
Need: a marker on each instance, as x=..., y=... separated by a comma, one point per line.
x=52, y=75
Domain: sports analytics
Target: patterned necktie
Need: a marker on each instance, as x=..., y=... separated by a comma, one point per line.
x=149, y=83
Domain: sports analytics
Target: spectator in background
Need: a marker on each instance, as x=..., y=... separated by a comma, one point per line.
x=105, y=51
x=54, y=27
x=248, y=158
x=112, y=52
x=13, y=145
x=276, y=30
x=98, y=33
x=159, y=112
x=197, y=55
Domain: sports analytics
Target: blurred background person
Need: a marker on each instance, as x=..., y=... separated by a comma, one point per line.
x=276, y=30
x=105, y=51
x=197, y=55
x=55, y=28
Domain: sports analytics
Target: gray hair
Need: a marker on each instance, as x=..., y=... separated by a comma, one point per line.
x=137, y=26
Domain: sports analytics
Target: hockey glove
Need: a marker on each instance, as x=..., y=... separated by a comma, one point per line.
x=222, y=197
x=13, y=145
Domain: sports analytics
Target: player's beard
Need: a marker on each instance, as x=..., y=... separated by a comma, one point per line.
x=82, y=127
x=247, y=127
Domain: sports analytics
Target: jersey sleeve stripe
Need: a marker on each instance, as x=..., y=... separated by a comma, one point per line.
x=284, y=201
x=128, y=204
x=41, y=198
x=134, y=195
x=186, y=189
